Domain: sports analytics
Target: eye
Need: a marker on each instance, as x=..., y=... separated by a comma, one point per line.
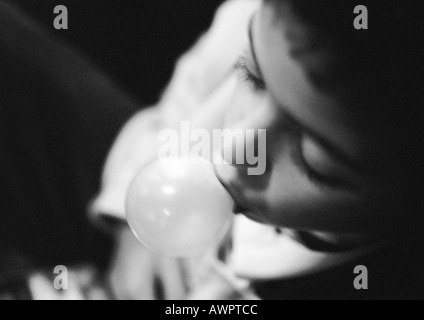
x=247, y=75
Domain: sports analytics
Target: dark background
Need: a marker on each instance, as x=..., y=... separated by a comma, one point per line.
x=136, y=41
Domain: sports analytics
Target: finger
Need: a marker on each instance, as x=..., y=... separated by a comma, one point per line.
x=74, y=290
x=42, y=288
x=132, y=270
x=171, y=275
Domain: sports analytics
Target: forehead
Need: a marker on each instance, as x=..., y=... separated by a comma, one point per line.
x=275, y=39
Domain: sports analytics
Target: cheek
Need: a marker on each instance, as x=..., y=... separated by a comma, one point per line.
x=244, y=104
x=292, y=201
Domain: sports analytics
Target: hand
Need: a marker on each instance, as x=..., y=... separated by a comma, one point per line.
x=138, y=274
x=81, y=285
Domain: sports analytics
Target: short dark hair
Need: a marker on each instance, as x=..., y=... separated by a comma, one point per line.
x=384, y=62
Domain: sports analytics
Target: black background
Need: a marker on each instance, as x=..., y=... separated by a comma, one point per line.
x=136, y=41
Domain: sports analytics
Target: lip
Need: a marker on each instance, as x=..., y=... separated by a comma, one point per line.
x=250, y=215
x=238, y=208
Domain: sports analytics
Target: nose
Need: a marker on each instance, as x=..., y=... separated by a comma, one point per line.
x=226, y=172
x=243, y=159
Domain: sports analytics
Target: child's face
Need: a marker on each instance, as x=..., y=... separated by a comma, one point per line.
x=320, y=174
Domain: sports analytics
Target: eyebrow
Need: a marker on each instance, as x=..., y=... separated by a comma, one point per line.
x=330, y=148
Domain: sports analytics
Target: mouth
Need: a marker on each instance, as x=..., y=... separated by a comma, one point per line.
x=238, y=208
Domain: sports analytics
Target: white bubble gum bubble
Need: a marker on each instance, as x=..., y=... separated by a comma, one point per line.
x=177, y=207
